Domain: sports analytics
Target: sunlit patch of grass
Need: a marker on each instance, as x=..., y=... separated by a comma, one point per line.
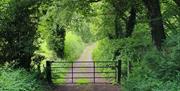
x=82, y=81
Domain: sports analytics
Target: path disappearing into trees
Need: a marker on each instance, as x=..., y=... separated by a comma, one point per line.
x=86, y=56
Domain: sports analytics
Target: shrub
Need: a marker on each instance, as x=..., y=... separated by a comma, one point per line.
x=56, y=42
x=151, y=70
x=18, y=80
x=158, y=70
x=73, y=46
x=130, y=49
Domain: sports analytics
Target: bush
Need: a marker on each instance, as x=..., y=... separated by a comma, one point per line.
x=103, y=50
x=73, y=46
x=18, y=80
x=144, y=79
x=147, y=83
x=158, y=70
x=130, y=50
x=151, y=70
x=56, y=42
x=18, y=31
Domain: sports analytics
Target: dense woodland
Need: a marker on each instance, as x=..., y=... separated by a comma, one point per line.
x=143, y=34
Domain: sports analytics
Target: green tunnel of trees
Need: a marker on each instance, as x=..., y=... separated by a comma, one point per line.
x=143, y=34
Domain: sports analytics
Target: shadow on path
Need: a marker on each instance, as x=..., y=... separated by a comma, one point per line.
x=93, y=87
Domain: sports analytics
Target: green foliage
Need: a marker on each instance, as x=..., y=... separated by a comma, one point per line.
x=171, y=16
x=131, y=49
x=81, y=26
x=102, y=22
x=73, y=46
x=33, y=30
x=144, y=79
x=59, y=19
x=165, y=63
x=18, y=31
x=56, y=71
x=151, y=70
x=47, y=30
x=19, y=80
x=102, y=50
x=56, y=42
x=82, y=81
x=158, y=69
x=143, y=83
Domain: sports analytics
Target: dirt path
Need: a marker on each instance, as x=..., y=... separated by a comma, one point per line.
x=86, y=56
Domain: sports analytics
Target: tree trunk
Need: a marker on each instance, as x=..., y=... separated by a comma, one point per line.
x=177, y=2
x=131, y=22
x=156, y=22
x=118, y=28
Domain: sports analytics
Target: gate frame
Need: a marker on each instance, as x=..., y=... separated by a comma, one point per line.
x=117, y=70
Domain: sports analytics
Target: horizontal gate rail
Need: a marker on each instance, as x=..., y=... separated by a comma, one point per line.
x=114, y=65
x=93, y=83
x=84, y=72
x=87, y=67
x=80, y=77
x=87, y=62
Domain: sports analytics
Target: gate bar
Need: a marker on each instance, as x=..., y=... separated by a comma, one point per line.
x=94, y=72
x=72, y=73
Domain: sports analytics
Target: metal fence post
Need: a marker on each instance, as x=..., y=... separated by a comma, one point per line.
x=115, y=73
x=72, y=71
x=94, y=69
x=119, y=71
x=48, y=71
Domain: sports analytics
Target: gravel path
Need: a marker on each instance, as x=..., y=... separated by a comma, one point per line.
x=86, y=56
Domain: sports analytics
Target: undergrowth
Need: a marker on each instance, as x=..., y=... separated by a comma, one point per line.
x=144, y=68
x=20, y=80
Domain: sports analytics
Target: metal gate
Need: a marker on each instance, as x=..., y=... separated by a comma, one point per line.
x=94, y=72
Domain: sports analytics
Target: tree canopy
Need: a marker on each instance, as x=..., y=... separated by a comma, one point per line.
x=143, y=34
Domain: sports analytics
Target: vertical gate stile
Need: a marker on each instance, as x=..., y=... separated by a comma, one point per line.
x=48, y=71
x=94, y=68
x=115, y=73
x=72, y=73
x=119, y=71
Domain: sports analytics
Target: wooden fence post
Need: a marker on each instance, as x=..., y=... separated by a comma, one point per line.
x=119, y=71
x=48, y=71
